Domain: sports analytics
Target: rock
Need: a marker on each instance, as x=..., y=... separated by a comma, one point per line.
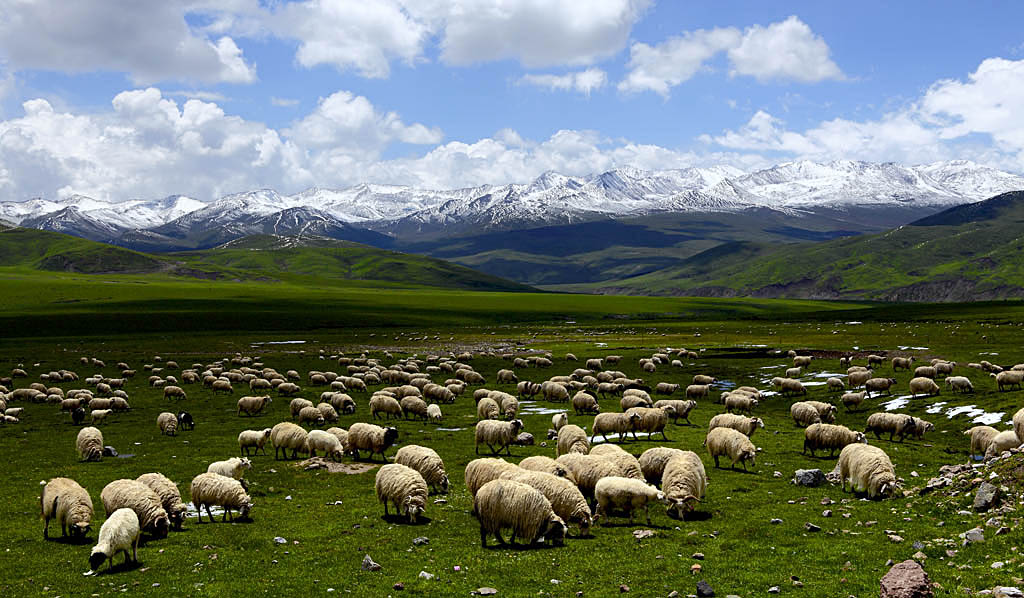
x=775, y=521
x=398, y=586
x=1002, y=530
x=640, y=534
x=774, y=590
x=425, y=576
x=695, y=569
x=809, y=477
x=552, y=434
x=998, y=565
x=826, y=513
x=986, y=496
x=109, y=451
x=919, y=556
x=280, y=540
x=420, y=541
x=623, y=589
x=486, y=591
x=524, y=439
x=369, y=564
x=895, y=538
x=697, y=555
x=777, y=474
x=704, y=589
x=906, y=580
x=673, y=594
x=1007, y=592
x=973, y=535
x=811, y=527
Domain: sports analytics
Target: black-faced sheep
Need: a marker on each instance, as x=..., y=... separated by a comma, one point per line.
x=508, y=504
x=66, y=501
x=402, y=486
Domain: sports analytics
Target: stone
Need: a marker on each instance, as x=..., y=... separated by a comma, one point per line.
x=919, y=556
x=811, y=527
x=704, y=589
x=895, y=538
x=972, y=536
x=398, y=586
x=420, y=541
x=774, y=590
x=809, y=477
x=906, y=580
x=552, y=434
x=109, y=451
x=524, y=439
x=280, y=540
x=826, y=513
x=777, y=474
x=673, y=594
x=623, y=589
x=426, y=576
x=986, y=497
x=695, y=569
x=1007, y=592
x=697, y=555
x=485, y=591
x=775, y=521
x=640, y=534
x=369, y=564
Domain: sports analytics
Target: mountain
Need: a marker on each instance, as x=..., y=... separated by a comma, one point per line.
x=966, y=253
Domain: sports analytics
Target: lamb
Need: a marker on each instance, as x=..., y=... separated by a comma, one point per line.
x=249, y=439
x=920, y=427
x=902, y=363
x=170, y=498
x=628, y=465
x=731, y=443
x=959, y=384
x=174, y=392
x=524, y=509
x=617, y=423
x=981, y=437
x=402, y=486
x=745, y=425
x=427, y=462
x=498, y=434
x=1002, y=441
x=66, y=501
x=827, y=436
x=879, y=385
x=487, y=408
x=97, y=416
x=167, y=422
x=566, y=499
x=480, y=471
x=140, y=498
x=285, y=436
x=89, y=444
x=214, y=489
x=697, y=391
x=572, y=439
x=253, y=405
x=852, y=400
x=806, y=413
x=893, y=423
x=119, y=533
x=368, y=437
x=434, y=413
x=923, y=385
x=664, y=388
x=684, y=482
x=1008, y=378
x=547, y=465
x=867, y=469
x=652, y=420
x=232, y=468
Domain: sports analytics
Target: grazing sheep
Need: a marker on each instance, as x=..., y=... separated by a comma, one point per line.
x=140, y=498
x=684, y=482
x=629, y=401
x=480, y=471
x=566, y=499
x=704, y=380
x=802, y=361
x=547, y=465
x=297, y=405
x=664, y=388
x=174, y=392
x=584, y=402
x=806, y=413
x=794, y=372
x=167, y=422
x=588, y=469
x=285, y=436
x=944, y=368
x=571, y=357
x=874, y=360
x=66, y=501
x=414, y=406
x=389, y=406
x=867, y=469
x=341, y=434
x=402, y=486
x=902, y=363
x=170, y=498
x=487, y=408
x=1008, y=378
x=214, y=489
x=572, y=439
x=924, y=371
x=652, y=420
x=921, y=427
x=697, y=391
x=434, y=413
x=100, y=403
x=97, y=416
x=790, y=386
x=1018, y=423
x=509, y=407
x=959, y=384
x=740, y=402
x=232, y=468
x=119, y=404
x=427, y=462
x=287, y=389
x=628, y=465
x=119, y=533
x=852, y=400
x=498, y=434
x=893, y=423
x=506, y=377
x=923, y=385
x=835, y=385
x=731, y=443
x=828, y=436
x=553, y=391
x=981, y=437
x=1002, y=441
x=89, y=444
x=653, y=461
x=368, y=437
x=879, y=385
x=745, y=425
x=679, y=408
x=222, y=386
x=616, y=423
x=508, y=504
x=253, y=405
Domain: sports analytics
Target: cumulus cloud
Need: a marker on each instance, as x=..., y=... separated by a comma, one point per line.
x=787, y=50
x=283, y=102
x=581, y=81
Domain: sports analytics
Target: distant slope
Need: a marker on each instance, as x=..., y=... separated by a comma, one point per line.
x=51, y=251
x=966, y=253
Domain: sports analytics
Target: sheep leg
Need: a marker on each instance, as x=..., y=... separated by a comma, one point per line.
x=483, y=537
x=210, y=513
x=508, y=449
x=716, y=462
x=647, y=511
x=46, y=528
x=135, y=549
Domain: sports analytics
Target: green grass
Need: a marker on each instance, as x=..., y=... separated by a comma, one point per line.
x=744, y=555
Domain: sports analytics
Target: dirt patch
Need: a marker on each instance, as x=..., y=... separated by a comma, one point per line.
x=334, y=467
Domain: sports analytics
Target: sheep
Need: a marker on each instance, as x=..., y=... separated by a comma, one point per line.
x=697, y=391
x=790, y=386
x=740, y=402
x=566, y=499
x=852, y=400
x=588, y=469
x=959, y=384
x=140, y=498
x=867, y=469
x=214, y=489
x=287, y=389
x=554, y=391
x=924, y=371
x=66, y=501
x=341, y=434
x=981, y=437
x=559, y=420
x=893, y=423
x=341, y=402
x=1018, y=423
x=78, y=416
x=287, y=435
x=100, y=403
x=233, y=468
x=174, y=392
x=120, y=404
x=874, y=360
x=827, y=436
x=498, y=434
x=1002, y=441
x=434, y=413
x=806, y=413
x=222, y=386
x=858, y=378
x=524, y=509
x=368, y=437
x=389, y=406
x=679, y=408
x=584, y=402
x=253, y=405
x=902, y=363
x=879, y=385
x=547, y=465
x=427, y=462
x=835, y=385
x=480, y=471
x=923, y=385
x=1008, y=378
x=921, y=427
x=402, y=486
x=802, y=361
x=627, y=464
x=664, y=388
x=506, y=377
x=89, y=444
x=572, y=439
x=944, y=368
x=731, y=443
x=625, y=494
x=617, y=423
x=630, y=401
x=653, y=461
x=745, y=425
x=487, y=408
x=606, y=388
x=167, y=422
x=509, y=406
x=571, y=357
x=119, y=533
x=684, y=482
x=97, y=416
x=794, y=372
x=652, y=420
x=170, y=498
x=326, y=442
x=297, y=405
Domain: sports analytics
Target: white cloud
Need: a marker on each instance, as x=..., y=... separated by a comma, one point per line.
x=198, y=94
x=581, y=81
x=150, y=41
x=785, y=50
x=284, y=102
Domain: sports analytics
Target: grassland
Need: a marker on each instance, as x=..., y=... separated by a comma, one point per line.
x=743, y=553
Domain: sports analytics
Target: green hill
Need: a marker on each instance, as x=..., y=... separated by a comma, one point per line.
x=966, y=253
x=49, y=251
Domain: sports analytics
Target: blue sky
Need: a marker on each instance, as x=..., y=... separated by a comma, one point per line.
x=120, y=99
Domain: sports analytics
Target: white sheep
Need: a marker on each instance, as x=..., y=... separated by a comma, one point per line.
x=211, y=489
x=253, y=405
x=827, y=436
x=730, y=443
x=805, y=413
x=426, y=461
x=879, y=385
x=746, y=425
x=66, y=501
x=653, y=461
x=402, y=486
x=559, y=420
x=480, y=471
x=652, y=420
x=368, y=437
x=679, y=408
x=981, y=437
x=959, y=384
x=167, y=422
x=311, y=415
x=852, y=400
x=89, y=444
x=566, y=499
x=625, y=494
x=698, y=391
x=97, y=416
x=867, y=469
x=923, y=385
x=893, y=423
x=616, y=423
x=434, y=413
x=547, y=465
x=1002, y=441
x=249, y=439
x=140, y=498
x=170, y=498
x=498, y=434
x=233, y=468
x=285, y=436
x=588, y=469
x=740, y=402
x=835, y=384
x=119, y=533
x=1008, y=378
x=1018, y=423
x=684, y=482
x=509, y=504
x=487, y=408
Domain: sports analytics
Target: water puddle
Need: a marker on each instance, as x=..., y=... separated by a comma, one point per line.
x=450, y=429
x=532, y=408
x=854, y=323
x=905, y=348
x=279, y=343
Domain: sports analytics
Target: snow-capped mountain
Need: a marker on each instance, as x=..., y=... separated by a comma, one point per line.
x=552, y=198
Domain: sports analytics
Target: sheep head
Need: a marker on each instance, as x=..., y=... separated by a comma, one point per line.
x=758, y=422
x=860, y=438
x=96, y=559
x=553, y=531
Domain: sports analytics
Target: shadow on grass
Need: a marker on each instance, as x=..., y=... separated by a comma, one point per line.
x=404, y=520
x=70, y=540
x=492, y=545
x=119, y=568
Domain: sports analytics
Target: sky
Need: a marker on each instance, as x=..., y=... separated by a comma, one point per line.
x=121, y=99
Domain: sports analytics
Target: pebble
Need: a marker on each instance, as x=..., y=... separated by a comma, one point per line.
x=280, y=540
x=420, y=541
x=812, y=527
x=774, y=590
x=919, y=556
x=998, y=565
x=398, y=586
x=775, y=521
x=369, y=564
x=485, y=591
x=826, y=513
x=623, y=589
x=895, y=538
x=698, y=555
x=425, y=576
x=704, y=589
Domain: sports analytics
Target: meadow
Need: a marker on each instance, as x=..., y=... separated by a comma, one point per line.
x=329, y=521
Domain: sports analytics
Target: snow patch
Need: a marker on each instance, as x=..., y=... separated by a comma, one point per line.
x=897, y=403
